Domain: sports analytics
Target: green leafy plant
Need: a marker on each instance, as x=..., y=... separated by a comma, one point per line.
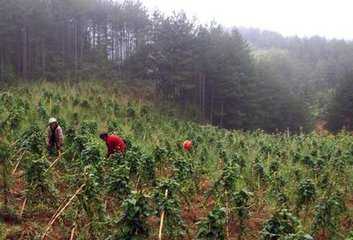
x=40, y=187
x=282, y=225
x=5, y=171
x=32, y=140
x=90, y=154
x=132, y=224
x=88, y=127
x=166, y=196
x=306, y=194
x=241, y=202
x=328, y=214
x=213, y=227
x=118, y=181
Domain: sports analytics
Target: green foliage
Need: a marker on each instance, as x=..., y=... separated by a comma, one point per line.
x=118, y=181
x=4, y=152
x=132, y=224
x=40, y=187
x=298, y=236
x=241, y=201
x=213, y=227
x=42, y=111
x=259, y=170
x=32, y=140
x=88, y=127
x=90, y=154
x=340, y=111
x=90, y=198
x=350, y=236
x=282, y=225
x=233, y=78
x=310, y=68
x=306, y=172
x=228, y=179
x=183, y=170
x=2, y=231
x=5, y=171
x=167, y=200
x=306, y=192
x=141, y=165
x=114, y=127
x=160, y=154
x=130, y=112
x=328, y=214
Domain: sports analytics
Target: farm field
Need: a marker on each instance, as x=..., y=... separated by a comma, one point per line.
x=231, y=185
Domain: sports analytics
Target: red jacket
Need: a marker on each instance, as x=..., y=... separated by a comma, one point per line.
x=115, y=144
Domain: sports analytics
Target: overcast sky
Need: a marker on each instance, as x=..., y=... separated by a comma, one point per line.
x=329, y=18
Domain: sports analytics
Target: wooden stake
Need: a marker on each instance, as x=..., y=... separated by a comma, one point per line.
x=57, y=215
x=18, y=163
x=20, y=150
x=53, y=163
x=227, y=216
x=23, y=207
x=15, y=169
x=56, y=161
x=15, y=142
x=162, y=219
x=59, y=208
x=73, y=232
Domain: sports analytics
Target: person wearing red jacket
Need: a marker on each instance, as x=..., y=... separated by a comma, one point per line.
x=115, y=144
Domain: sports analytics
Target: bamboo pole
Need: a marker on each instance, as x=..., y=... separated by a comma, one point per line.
x=52, y=164
x=162, y=219
x=55, y=161
x=14, y=143
x=17, y=164
x=19, y=151
x=23, y=207
x=227, y=216
x=73, y=232
x=15, y=169
x=57, y=215
x=59, y=208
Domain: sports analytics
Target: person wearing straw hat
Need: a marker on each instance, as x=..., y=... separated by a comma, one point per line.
x=55, y=137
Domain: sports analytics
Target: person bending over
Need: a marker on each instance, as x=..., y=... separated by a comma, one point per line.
x=115, y=144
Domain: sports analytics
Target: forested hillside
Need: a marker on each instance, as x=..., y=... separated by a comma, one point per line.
x=206, y=69
x=207, y=131
x=312, y=68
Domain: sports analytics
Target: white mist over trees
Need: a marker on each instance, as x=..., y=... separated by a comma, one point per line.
x=273, y=83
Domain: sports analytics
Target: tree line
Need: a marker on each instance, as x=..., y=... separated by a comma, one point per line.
x=316, y=69
x=206, y=69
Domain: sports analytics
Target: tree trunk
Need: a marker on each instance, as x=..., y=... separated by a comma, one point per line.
x=112, y=49
x=105, y=40
x=2, y=64
x=200, y=91
x=212, y=105
x=76, y=49
x=63, y=44
x=43, y=58
x=204, y=97
x=25, y=53
x=222, y=114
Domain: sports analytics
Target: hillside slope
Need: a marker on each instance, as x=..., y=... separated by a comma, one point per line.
x=231, y=185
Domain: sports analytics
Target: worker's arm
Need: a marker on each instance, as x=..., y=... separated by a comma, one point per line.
x=60, y=137
x=47, y=140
